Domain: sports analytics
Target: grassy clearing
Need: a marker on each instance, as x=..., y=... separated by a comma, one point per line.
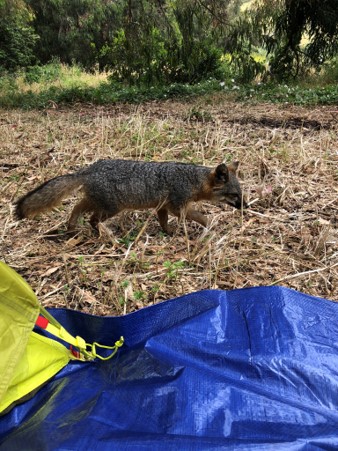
x=288, y=169
x=55, y=85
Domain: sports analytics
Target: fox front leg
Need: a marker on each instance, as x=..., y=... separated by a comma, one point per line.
x=194, y=215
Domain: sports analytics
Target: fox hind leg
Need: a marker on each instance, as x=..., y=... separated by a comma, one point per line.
x=98, y=217
x=162, y=215
x=102, y=215
x=82, y=207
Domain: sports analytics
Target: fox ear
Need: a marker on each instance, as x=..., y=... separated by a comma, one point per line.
x=233, y=166
x=221, y=173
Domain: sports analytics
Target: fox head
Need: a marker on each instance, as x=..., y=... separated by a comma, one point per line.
x=226, y=187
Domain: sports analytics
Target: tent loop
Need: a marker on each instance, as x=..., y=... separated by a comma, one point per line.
x=114, y=349
x=80, y=350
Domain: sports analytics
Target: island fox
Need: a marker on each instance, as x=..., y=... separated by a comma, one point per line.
x=111, y=186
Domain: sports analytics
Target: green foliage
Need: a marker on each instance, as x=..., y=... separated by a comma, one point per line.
x=17, y=37
x=297, y=34
x=292, y=94
x=247, y=68
x=137, y=64
x=36, y=89
x=72, y=30
x=168, y=42
x=140, y=295
x=157, y=45
x=43, y=74
x=139, y=41
x=330, y=71
x=8, y=86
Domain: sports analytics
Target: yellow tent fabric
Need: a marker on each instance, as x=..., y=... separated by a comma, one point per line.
x=27, y=360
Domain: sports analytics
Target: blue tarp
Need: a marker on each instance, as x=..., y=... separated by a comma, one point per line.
x=245, y=369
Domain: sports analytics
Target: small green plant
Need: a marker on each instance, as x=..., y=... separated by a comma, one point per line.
x=155, y=288
x=66, y=289
x=128, y=239
x=122, y=301
x=139, y=295
x=172, y=268
x=198, y=115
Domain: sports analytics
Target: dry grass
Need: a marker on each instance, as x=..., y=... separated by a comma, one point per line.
x=289, y=170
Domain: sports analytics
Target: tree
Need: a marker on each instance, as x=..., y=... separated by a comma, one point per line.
x=17, y=36
x=281, y=25
x=74, y=30
x=169, y=41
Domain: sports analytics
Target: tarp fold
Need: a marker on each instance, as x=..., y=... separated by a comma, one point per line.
x=245, y=369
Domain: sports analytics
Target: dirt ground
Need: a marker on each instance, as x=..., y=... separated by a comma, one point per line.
x=289, y=173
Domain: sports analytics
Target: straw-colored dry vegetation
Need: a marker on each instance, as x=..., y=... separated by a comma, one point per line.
x=289, y=171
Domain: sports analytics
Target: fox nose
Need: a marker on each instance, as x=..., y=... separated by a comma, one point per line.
x=241, y=204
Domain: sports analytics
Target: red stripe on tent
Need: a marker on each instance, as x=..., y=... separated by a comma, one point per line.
x=75, y=353
x=42, y=322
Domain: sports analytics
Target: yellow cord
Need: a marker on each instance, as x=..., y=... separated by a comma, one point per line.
x=55, y=328
x=114, y=348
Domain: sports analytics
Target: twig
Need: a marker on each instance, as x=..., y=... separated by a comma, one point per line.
x=304, y=273
x=253, y=201
x=45, y=296
x=4, y=230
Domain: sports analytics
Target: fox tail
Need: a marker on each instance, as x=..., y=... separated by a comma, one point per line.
x=47, y=196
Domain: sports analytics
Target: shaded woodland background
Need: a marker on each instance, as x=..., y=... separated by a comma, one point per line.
x=169, y=41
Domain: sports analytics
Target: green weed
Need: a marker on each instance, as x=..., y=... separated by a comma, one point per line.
x=172, y=268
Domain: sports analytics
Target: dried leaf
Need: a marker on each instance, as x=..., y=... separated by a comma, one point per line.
x=50, y=271
x=86, y=297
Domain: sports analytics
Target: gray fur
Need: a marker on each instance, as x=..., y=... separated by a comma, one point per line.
x=111, y=186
